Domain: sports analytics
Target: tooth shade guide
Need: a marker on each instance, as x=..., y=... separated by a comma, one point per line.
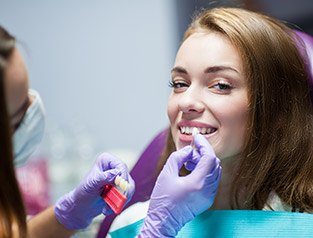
x=117, y=180
x=114, y=198
x=121, y=183
x=195, y=131
x=114, y=195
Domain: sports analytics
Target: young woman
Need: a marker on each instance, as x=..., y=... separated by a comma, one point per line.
x=240, y=79
x=247, y=82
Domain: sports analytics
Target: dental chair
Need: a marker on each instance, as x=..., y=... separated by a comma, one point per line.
x=307, y=54
x=144, y=171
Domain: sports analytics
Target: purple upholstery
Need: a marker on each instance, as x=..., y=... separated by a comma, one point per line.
x=307, y=54
x=144, y=175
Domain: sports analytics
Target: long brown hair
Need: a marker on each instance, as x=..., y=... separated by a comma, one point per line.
x=12, y=213
x=278, y=152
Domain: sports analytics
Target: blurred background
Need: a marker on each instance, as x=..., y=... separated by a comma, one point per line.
x=102, y=68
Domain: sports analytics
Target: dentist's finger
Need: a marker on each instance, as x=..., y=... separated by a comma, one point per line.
x=203, y=146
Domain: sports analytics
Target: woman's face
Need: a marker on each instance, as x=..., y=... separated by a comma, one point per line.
x=210, y=93
x=16, y=86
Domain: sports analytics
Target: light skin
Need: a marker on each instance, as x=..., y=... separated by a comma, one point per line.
x=210, y=93
x=18, y=100
x=16, y=86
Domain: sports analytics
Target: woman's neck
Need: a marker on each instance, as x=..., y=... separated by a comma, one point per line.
x=223, y=197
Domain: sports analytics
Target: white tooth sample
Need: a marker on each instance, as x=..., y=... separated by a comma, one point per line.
x=195, y=131
x=203, y=130
x=124, y=185
x=121, y=183
x=117, y=180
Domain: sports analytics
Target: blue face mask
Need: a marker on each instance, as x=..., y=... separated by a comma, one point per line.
x=28, y=135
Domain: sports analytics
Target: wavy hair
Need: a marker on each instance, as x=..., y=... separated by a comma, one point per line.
x=278, y=150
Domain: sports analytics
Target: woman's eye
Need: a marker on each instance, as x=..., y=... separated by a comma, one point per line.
x=178, y=84
x=222, y=86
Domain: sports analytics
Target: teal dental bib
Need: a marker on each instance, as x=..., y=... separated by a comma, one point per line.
x=237, y=223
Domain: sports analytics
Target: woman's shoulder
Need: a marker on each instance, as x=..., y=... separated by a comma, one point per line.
x=274, y=203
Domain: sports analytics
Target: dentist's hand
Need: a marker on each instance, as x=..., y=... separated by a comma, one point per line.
x=76, y=209
x=177, y=200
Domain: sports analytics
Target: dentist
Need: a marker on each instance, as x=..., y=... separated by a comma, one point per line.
x=22, y=122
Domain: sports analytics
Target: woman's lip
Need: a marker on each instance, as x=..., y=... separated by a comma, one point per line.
x=194, y=124
x=185, y=138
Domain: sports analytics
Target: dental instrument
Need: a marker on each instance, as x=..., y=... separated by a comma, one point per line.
x=195, y=131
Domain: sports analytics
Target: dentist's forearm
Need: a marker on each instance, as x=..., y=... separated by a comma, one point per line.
x=45, y=225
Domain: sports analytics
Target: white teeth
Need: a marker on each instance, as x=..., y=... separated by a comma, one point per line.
x=189, y=130
x=117, y=180
x=203, y=130
x=122, y=183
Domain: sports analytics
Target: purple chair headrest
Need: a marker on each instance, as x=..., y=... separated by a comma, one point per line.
x=306, y=49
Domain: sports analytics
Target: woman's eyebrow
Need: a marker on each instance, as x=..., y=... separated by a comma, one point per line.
x=208, y=70
x=218, y=68
x=22, y=108
x=179, y=69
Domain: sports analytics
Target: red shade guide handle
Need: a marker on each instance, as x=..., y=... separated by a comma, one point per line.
x=114, y=198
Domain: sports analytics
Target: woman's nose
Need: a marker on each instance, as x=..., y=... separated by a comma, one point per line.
x=191, y=102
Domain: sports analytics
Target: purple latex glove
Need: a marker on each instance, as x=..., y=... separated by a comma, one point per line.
x=177, y=200
x=76, y=209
